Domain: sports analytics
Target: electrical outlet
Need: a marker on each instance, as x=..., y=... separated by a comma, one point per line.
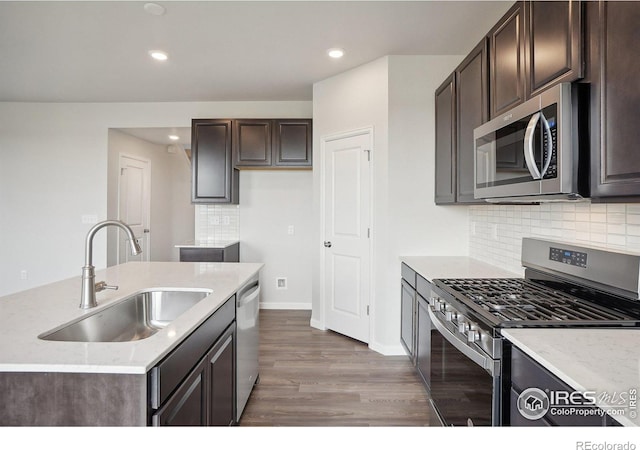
x=23, y=275
x=214, y=220
x=281, y=283
x=291, y=230
x=225, y=220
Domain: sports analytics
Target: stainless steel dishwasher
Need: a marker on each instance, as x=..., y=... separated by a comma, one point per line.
x=247, y=341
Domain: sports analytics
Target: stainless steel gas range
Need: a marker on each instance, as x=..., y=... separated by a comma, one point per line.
x=565, y=285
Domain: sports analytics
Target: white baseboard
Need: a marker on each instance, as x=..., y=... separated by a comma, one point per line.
x=315, y=323
x=388, y=350
x=281, y=305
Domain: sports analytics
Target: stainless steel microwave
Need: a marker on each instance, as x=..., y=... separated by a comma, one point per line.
x=530, y=153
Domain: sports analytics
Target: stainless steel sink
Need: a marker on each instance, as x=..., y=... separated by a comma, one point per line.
x=136, y=317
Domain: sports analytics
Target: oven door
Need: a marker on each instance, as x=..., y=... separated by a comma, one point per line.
x=465, y=382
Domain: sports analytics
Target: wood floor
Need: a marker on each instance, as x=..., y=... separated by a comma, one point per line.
x=310, y=377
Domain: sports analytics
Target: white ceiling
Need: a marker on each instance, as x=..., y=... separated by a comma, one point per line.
x=97, y=51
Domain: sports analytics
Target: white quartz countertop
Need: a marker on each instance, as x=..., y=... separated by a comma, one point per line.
x=432, y=267
x=207, y=243
x=27, y=314
x=606, y=361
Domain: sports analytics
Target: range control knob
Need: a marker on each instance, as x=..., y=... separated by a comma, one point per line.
x=433, y=301
x=450, y=316
x=473, y=336
x=463, y=327
x=442, y=306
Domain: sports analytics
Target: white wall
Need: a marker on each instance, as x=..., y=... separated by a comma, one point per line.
x=53, y=169
x=270, y=202
x=172, y=214
x=352, y=100
x=395, y=95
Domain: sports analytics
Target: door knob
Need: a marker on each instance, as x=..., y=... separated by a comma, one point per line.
x=327, y=244
x=146, y=230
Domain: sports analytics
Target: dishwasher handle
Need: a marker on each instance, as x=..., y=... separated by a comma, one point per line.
x=249, y=296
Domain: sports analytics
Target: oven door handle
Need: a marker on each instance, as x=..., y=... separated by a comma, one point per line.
x=481, y=360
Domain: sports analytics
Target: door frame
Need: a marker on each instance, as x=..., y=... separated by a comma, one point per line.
x=323, y=300
x=147, y=236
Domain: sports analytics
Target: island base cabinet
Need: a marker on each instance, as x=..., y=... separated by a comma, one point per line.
x=187, y=406
x=195, y=384
x=221, y=379
x=72, y=399
x=206, y=396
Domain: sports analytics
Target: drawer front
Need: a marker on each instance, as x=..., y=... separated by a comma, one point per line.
x=527, y=373
x=409, y=275
x=169, y=373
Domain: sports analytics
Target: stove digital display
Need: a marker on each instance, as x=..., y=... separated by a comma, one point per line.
x=570, y=257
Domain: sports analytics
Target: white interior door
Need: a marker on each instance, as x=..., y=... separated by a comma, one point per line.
x=134, y=206
x=347, y=235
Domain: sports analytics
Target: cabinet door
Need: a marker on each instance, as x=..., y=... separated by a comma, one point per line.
x=213, y=178
x=507, y=61
x=472, y=111
x=407, y=318
x=222, y=380
x=292, y=143
x=252, y=142
x=554, y=43
x=445, y=189
x=615, y=134
x=188, y=405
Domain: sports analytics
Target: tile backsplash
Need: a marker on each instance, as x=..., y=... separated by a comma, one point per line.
x=496, y=231
x=217, y=223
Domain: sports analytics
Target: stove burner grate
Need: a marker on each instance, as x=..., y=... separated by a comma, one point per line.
x=514, y=299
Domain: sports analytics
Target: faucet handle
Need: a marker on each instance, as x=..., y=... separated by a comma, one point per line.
x=101, y=286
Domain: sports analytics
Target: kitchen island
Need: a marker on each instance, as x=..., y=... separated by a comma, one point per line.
x=98, y=383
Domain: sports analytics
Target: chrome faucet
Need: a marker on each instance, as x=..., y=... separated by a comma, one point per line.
x=89, y=286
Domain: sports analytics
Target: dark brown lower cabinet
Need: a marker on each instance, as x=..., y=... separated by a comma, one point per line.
x=187, y=406
x=195, y=384
x=221, y=378
x=209, y=254
x=527, y=374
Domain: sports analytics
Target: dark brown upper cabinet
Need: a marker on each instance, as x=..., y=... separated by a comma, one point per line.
x=213, y=180
x=275, y=144
x=536, y=45
x=506, y=39
x=292, y=143
x=554, y=43
x=614, y=57
x=445, y=187
x=472, y=111
x=252, y=142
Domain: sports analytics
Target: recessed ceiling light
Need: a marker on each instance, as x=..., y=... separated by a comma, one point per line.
x=154, y=9
x=158, y=55
x=173, y=137
x=335, y=53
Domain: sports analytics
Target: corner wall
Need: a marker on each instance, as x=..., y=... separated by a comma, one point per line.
x=394, y=95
